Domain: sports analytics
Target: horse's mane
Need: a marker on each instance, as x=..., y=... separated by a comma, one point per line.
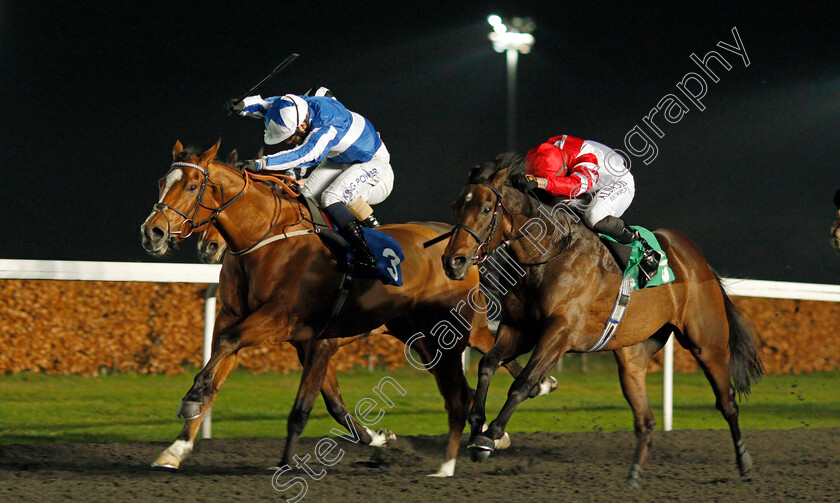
x=510, y=160
x=187, y=153
x=193, y=151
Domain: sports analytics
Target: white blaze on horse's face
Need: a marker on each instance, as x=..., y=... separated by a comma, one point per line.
x=169, y=182
x=468, y=197
x=171, y=178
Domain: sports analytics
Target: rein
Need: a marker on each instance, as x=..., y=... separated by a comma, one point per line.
x=188, y=225
x=490, y=231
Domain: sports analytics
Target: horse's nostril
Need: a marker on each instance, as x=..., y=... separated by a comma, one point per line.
x=156, y=233
x=458, y=261
x=212, y=247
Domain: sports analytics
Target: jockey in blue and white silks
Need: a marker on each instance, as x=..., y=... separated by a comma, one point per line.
x=338, y=153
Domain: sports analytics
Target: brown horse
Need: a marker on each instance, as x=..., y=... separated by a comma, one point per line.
x=211, y=250
x=267, y=292
x=567, y=288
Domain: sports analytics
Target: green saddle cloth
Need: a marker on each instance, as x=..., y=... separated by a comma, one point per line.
x=663, y=275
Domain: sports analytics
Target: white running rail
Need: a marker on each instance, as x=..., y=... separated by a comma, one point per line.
x=201, y=273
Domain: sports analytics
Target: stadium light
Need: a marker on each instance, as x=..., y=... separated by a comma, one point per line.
x=511, y=39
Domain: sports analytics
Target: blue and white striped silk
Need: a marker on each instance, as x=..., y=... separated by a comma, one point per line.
x=343, y=136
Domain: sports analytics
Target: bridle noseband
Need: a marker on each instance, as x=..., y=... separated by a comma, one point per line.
x=483, y=251
x=186, y=228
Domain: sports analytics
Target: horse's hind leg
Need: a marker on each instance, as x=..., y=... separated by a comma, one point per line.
x=449, y=376
x=712, y=354
x=173, y=455
x=315, y=358
x=336, y=408
x=632, y=370
x=445, y=366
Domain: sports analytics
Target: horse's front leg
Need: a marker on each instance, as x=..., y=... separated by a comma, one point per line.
x=506, y=349
x=173, y=455
x=549, y=348
x=482, y=340
x=229, y=337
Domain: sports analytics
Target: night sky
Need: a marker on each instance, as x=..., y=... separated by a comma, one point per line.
x=94, y=97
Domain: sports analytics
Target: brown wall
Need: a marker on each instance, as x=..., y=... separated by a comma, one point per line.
x=91, y=327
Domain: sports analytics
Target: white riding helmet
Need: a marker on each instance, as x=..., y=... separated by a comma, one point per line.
x=283, y=117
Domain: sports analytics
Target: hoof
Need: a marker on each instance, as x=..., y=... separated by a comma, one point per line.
x=745, y=464
x=189, y=410
x=634, y=483
x=634, y=480
x=545, y=387
x=481, y=448
x=502, y=443
x=167, y=461
x=551, y=384
x=382, y=437
x=447, y=469
x=388, y=434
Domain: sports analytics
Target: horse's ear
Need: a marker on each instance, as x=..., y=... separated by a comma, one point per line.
x=500, y=176
x=232, y=157
x=177, y=149
x=474, y=171
x=259, y=153
x=211, y=153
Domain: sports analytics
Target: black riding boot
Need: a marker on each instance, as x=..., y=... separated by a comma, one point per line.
x=615, y=228
x=351, y=230
x=371, y=222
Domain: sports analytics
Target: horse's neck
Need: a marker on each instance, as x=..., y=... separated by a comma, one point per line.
x=543, y=230
x=256, y=214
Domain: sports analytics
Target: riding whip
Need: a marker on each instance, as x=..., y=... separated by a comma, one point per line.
x=286, y=62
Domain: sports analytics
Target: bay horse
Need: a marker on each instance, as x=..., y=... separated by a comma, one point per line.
x=211, y=250
x=266, y=292
x=566, y=293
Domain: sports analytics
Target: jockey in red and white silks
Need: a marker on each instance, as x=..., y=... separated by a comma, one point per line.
x=571, y=167
x=596, y=176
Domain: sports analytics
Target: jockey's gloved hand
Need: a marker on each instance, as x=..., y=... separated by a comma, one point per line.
x=523, y=182
x=250, y=165
x=234, y=105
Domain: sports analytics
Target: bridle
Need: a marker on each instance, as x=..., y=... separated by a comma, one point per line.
x=483, y=252
x=187, y=227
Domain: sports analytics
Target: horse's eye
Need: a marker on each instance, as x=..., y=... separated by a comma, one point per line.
x=486, y=209
x=192, y=188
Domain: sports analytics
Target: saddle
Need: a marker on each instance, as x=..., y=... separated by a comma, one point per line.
x=627, y=256
x=386, y=250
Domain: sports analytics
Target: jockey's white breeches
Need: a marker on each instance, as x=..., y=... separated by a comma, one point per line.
x=344, y=183
x=612, y=200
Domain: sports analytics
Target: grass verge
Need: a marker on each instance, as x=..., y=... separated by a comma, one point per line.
x=130, y=407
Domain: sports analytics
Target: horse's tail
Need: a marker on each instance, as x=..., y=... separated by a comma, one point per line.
x=745, y=365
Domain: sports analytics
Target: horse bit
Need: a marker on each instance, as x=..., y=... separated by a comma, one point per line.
x=483, y=251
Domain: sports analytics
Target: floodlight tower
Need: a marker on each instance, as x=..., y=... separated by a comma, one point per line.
x=512, y=39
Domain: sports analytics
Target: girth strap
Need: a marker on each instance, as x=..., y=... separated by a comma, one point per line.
x=616, y=315
x=343, y=292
